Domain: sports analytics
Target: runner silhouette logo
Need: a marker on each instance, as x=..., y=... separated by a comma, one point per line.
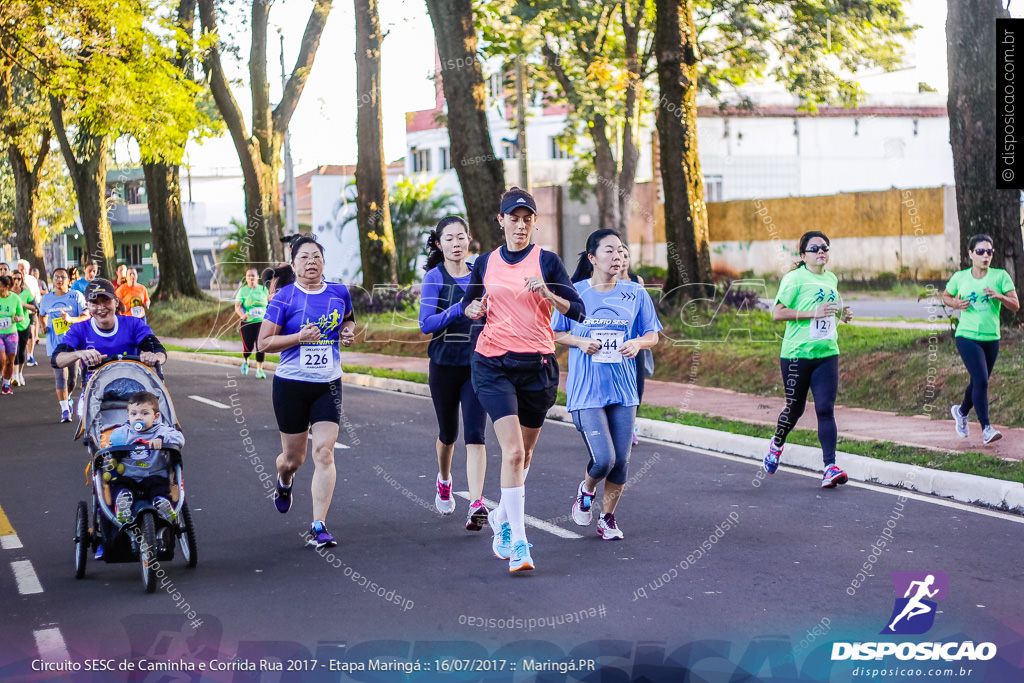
x=916, y=596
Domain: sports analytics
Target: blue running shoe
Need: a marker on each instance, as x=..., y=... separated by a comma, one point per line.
x=771, y=461
x=31, y=362
x=99, y=552
x=502, y=542
x=320, y=537
x=833, y=477
x=65, y=416
x=520, y=560
x=283, y=499
x=245, y=367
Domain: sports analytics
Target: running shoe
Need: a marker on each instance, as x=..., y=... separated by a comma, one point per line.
x=961, y=421
x=245, y=367
x=165, y=508
x=260, y=374
x=71, y=405
x=443, y=500
x=608, y=529
x=771, y=461
x=501, y=544
x=636, y=435
x=99, y=552
x=7, y=391
x=990, y=434
x=15, y=382
x=833, y=477
x=65, y=416
x=283, y=499
x=123, y=506
x=581, y=513
x=520, y=560
x=320, y=537
x=31, y=362
x=21, y=379
x=477, y=516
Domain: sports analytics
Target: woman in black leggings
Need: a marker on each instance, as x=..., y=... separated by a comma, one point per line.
x=251, y=305
x=809, y=303
x=978, y=293
x=450, y=351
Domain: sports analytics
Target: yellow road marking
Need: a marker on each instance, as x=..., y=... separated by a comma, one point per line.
x=5, y=524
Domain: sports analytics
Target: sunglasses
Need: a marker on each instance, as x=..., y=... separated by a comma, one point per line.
x=984, y=252
x=816, y=248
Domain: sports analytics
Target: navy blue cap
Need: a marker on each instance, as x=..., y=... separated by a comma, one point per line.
x=518, y=201
x=100, y=287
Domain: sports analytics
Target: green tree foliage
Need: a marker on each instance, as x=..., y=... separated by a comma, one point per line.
x=233, y=259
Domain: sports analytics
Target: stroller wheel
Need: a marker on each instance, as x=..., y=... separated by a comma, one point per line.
x=83, y=539
x=146, y=524
x=187, y=537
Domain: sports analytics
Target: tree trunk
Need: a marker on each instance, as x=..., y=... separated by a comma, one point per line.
x=373, y=216
x=87, y=166
x=170, y=242
x=686, y=217
x=260, y=153
x=481, y=173
x=607, y=175
x=26, y=193
x=630, y=149
x=981, y=208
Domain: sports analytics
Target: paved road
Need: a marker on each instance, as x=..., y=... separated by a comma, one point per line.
x=776, y=582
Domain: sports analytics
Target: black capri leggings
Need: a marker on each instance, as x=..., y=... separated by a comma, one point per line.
x=821, y=376
x=979, y=357
x=250, y=333
x=298, y=404
x=451, y=386
x=23, y=337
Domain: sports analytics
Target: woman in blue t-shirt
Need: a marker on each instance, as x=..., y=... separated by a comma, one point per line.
x=601, y=387
x=451, y=351
x=307, y=323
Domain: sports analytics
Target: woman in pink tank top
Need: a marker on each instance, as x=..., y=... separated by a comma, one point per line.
x=514, y=371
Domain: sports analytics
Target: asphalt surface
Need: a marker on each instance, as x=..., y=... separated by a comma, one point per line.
x=775, y=585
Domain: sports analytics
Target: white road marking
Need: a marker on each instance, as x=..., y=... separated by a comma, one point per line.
x=530, y=521
x=50, y=644
x=25, y=577
x=203, y=399
x=336, y=444
x=1010, y=517
x=10, y=542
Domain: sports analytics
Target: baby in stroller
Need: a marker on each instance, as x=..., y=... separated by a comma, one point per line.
x=145, y=471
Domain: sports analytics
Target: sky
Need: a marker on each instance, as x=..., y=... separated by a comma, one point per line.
x=323, y=127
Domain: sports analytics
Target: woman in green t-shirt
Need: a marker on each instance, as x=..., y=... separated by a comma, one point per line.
x=251, y=305
x=12, y=312
x=808, y=302
x=979, y=292
x=23, y=328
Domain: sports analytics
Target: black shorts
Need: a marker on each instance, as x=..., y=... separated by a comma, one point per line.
x=298, y=404
x=523, y=384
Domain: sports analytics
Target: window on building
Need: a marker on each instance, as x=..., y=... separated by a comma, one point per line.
x=713, y=188
x=557, y=151
x=76, y=255
x=420, y=160
x=495, y=87
x=508, y=150
x=446, y=160
x=131, y=254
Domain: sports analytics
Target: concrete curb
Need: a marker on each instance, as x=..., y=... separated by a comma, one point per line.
x=965, y=488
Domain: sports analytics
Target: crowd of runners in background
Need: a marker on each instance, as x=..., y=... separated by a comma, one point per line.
x=494, y=325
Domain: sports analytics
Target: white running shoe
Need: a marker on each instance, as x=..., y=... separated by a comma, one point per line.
x=123, y=506
x=165, y=508
x=608, y=529
x=990, y=434
x=581, y=506
x=961, y=421
x=443, y=500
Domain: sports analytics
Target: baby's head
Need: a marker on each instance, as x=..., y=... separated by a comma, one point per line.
x=143, y=410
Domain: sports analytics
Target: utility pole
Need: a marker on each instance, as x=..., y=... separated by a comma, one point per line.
x=524, y=167
x=291, y=218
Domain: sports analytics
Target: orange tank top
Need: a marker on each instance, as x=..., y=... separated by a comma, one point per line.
x=518, y=320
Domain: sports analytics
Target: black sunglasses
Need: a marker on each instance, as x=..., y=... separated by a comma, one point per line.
x=816, y=248
x=984, y=252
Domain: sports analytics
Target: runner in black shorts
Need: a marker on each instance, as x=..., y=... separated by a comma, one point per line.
x=308, y=322
x=514, y=371
x=250, y=306
x=450, y=351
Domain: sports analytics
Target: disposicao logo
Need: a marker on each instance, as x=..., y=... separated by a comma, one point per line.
x=913, y=614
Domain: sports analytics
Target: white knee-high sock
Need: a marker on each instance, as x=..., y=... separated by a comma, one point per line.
x=514, y=503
